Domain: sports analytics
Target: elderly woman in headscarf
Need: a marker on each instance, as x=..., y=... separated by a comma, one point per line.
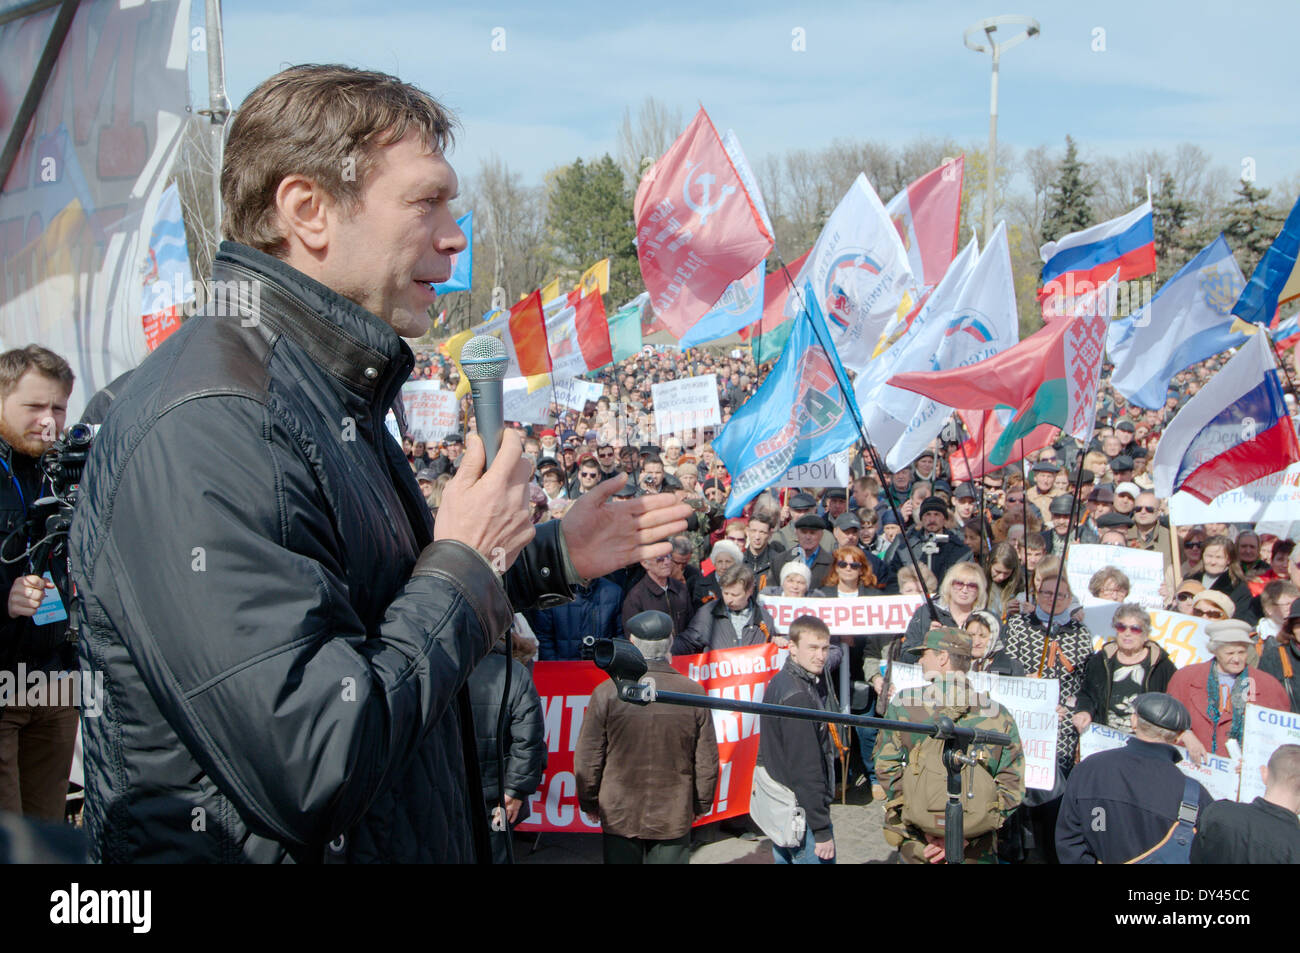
x=1216, y=693
x=987, y=652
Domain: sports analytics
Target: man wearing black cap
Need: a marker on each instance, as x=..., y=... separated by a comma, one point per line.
x=836, y=502
x=799, y=504
x=1041, y=494
x=1059, y=510
x=934, y=547
x=809, y=532
x=647, y=771
x=1121, y=468
x=1120, y=804
x=965, y=505
x=848, y=532
x=449, y=462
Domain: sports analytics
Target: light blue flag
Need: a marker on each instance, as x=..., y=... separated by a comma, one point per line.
x=804, y=411
x=462, y=264
x=1188, y=320
x=740, y=306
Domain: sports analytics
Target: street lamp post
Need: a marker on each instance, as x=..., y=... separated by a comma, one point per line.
x=973, y=40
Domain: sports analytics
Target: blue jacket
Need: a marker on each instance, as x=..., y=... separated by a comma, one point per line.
x=594, y=611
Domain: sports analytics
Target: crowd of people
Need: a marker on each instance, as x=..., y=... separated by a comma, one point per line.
x=989, y=553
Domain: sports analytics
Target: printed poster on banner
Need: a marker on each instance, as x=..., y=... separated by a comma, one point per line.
x=574, y=393
x=525, y=407
x=863, y=615
x=565, y=689
x=431, y=412
x=1145, y=571
x=1182, y=636
x=1218, y=775
x=1274, y=498
x=830, y=471
x=1031, y=701
x=1266, y=730
x=686, y=404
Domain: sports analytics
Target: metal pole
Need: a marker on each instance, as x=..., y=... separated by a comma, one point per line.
x=993, y=147
x=218, y=110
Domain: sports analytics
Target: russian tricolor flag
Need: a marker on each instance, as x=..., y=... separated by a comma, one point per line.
x=1087, y=259
x=1235, y=430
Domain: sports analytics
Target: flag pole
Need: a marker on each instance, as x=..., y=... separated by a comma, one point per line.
x=1065, y=552
x=849, y=403
x=1174, y=558
x=971, y=476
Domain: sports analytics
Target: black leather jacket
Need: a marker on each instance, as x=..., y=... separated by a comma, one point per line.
x=284, y=649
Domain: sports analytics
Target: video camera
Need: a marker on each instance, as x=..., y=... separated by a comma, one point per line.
x=50, y=517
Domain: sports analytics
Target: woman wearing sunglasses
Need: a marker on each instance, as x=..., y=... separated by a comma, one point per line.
x=1193, y=548
x=851, y=576
x=1129, y=664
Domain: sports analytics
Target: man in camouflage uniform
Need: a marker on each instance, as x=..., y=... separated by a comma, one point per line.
x=945, y=659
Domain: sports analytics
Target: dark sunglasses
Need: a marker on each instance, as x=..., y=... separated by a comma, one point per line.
x=847, y=564
x=1144, y=509
x=1209, y=613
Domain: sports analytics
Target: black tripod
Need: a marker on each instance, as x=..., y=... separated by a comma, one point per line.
x=625, y=665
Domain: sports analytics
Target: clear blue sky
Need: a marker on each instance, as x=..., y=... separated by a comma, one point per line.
x=1219, y=75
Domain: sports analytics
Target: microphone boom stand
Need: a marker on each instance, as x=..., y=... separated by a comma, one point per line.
x=624, y=664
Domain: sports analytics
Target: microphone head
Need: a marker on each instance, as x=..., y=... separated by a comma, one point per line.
x=484, y=358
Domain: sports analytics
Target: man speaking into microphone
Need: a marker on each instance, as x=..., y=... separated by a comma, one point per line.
x=283, y=633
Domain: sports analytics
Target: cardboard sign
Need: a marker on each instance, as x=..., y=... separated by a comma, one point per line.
x=1266, y=730
x=431, y=412
x=1145, y=571
x=1031, y=701
x=686, y=404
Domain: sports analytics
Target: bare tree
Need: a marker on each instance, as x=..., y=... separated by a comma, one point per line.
x=647, y=136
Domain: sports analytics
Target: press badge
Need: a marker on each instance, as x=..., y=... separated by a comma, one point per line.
x=51, y=609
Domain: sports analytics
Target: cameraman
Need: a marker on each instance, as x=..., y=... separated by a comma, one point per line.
x=36, y=741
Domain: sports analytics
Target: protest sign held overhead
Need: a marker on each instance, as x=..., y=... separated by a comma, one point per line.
x=686, y=404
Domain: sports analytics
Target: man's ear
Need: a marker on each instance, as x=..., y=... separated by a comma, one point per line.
x=306, y=212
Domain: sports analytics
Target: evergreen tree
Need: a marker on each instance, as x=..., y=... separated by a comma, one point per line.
x=589, y=217
x=1067, y=198
x=1177, y=238
x=1251, y=225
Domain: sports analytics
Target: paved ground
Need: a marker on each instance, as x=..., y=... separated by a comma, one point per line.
x=858, y=840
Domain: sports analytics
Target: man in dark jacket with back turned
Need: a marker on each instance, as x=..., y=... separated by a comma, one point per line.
x=524, y=747
x=283, y=633
x=1265, y=831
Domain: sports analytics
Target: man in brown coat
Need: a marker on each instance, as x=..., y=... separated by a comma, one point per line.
x=648, y=771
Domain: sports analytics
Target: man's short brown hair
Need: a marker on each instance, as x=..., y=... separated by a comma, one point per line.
x=322, y=122
x=14, y=364
x=807, y=625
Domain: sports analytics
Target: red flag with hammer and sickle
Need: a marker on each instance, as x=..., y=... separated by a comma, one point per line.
x=697, y=229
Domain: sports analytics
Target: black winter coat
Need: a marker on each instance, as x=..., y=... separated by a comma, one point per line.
x=798, y=753
x=594, y=611
x=284, y=650
x=1099, y=677
x=38, y=647
x=525, y=743
x=1256, y=833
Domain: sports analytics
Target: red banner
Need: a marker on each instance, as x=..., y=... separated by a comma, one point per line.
x=565, y=689
x=697, y=229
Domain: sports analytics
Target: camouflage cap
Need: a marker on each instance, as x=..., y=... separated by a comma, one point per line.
x=943, y=639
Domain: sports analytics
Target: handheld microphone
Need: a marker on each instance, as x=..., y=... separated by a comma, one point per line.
x=484, y=361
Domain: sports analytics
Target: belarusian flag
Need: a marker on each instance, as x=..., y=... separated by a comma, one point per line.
x=1050, y=377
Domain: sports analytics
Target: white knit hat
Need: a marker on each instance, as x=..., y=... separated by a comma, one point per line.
x=725, y=547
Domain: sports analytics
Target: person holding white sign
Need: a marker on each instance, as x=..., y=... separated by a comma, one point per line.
x=1265, y=831
x=1216, y=692
x=1126, y=666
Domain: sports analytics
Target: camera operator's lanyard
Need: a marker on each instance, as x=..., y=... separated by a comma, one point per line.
x=18, y=486
x=51, y=609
